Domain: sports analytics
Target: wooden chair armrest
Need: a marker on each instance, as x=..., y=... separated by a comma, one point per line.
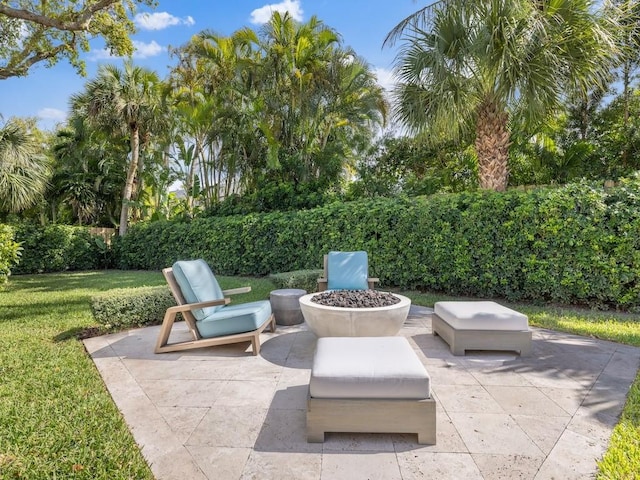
x=373, y=279
x=194, y=306
x=235, y=291
x=322, y=284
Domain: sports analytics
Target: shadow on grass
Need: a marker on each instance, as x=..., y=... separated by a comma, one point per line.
x=98, y=280
x=78, y=333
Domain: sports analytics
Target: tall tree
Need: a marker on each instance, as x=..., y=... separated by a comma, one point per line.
x=126, y=102
x=24, y=169
x=465, y=63
x=88, y=175
x=317, y=98
x=34, y=31
x=286, y=105
x=629, y=61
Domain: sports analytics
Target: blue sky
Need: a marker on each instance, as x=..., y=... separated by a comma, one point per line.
x=362, y=24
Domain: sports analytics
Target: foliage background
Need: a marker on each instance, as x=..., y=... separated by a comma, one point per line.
x=576, y=244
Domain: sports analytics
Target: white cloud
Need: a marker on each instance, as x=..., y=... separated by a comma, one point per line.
x=262, y=15
x=160, y=21
x=146, y=50
x=140, y=50
x=385, y=78
x=100, y=54
x=52, y=114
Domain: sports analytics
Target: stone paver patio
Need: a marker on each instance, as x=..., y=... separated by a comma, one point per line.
x=220, y=413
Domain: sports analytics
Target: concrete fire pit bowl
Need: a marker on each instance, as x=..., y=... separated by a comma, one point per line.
x=326, y=321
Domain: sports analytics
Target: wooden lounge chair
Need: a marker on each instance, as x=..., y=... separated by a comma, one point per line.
x=207, y=311
x=346, y=271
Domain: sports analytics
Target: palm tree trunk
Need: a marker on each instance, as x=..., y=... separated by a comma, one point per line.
x=128, y=186
x=492, y=146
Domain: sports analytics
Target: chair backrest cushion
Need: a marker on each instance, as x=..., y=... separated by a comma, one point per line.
x=198, y=284
x=347, y=271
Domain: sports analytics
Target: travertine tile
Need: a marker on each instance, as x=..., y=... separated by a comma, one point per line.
x=228, y=426
x=493, y=433
x=183, y=393
x=465, y=398
x=363, y=466
x=573, y=458
x=222, y=413
x=182, y=420
x=597, y=427
x=285, y=431
x=443, y=466
x=180, y=370
x=450, y=374
x=507, y=467
x=569, y=399
x=246, y=393
x=549, y=376
x=524, y=401
x=280, y=466
x=500, y=376
x=220, y=463
x=623, y=366
x=545, y=431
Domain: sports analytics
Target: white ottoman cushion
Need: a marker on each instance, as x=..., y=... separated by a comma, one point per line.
x=367, y=367
x=480, y=316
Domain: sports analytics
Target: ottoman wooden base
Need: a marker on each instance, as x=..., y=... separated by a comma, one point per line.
x=461, y=340
x=371, y=416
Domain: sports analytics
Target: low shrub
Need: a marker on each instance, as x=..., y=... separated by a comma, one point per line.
x=124, y=308
x=10, y=251
x=303, y=279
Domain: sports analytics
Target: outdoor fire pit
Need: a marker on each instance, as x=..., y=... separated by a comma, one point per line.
x=359, y=319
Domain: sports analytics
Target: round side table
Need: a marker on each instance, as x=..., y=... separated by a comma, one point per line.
x=286, y=307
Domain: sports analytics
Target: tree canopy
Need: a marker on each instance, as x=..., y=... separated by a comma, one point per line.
x=33, y=31
x=472, y=62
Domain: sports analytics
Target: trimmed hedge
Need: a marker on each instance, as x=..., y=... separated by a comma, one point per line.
x=123, y=308
x=56, y=248
x=304, y=279
x=577, y=244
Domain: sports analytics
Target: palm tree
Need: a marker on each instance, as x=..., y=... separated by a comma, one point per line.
x=88, y=173
x=318, y=98
x=466, y=63
x=24, y=169
x=126, y=102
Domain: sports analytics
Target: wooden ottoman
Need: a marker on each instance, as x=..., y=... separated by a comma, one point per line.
x=481, y=326
x=369, y=384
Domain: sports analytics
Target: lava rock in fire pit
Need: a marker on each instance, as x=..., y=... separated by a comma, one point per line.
x=355, y=298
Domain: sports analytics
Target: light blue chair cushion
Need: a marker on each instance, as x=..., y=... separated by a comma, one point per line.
x=198, y=284
x=347, y=271
x=230, y=319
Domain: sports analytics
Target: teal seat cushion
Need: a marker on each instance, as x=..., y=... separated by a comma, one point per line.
x=347, y=271
x=197, y=284
x=230, y=319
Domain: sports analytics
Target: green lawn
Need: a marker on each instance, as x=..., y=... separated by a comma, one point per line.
x=57, y=419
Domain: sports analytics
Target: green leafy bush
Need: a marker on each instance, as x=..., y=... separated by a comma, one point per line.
x=124, y=308
x=10, y=251
x=304, y=279
x=576, y=244
x=56, y=248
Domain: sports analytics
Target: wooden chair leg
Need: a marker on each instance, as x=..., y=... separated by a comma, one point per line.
x=255, y=344
x=165, y=330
